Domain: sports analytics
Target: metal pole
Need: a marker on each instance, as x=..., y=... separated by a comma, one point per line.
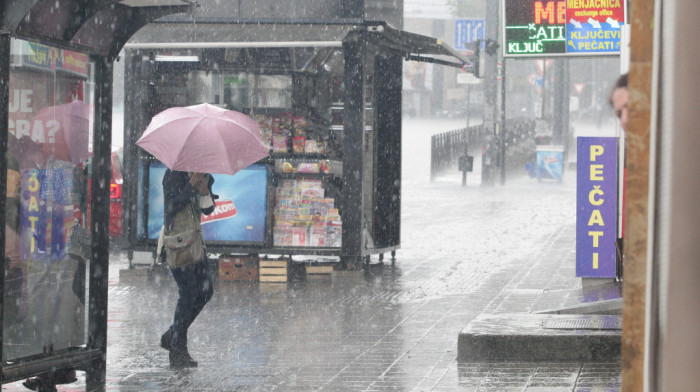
x=544, y=90
x=503, y=130
x=466, y=157
x=490, y=120
x=99, y=224
x=466, y=134
x=4, y=135
x=469, y=104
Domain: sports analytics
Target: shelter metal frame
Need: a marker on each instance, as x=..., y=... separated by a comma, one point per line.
x=83, y=26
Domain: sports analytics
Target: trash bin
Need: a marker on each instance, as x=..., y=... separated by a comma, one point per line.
x=550, y=162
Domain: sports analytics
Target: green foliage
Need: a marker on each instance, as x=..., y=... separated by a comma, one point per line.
x=467, y=8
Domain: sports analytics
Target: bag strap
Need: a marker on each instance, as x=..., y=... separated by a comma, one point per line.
x=197, y=223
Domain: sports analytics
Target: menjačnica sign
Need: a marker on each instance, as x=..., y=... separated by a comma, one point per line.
x=538, y=28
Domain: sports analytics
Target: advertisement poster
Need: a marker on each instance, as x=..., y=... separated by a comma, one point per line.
x=596, y=207
x=241, y=210
x=537, y=28
x=550, y=162
x=46, y=214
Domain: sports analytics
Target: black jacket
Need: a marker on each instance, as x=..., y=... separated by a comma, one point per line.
x=177, y=193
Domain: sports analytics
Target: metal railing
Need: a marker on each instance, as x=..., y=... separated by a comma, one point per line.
x=447, y=147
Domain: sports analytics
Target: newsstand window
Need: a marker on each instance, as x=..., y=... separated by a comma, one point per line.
x=296, y=96
x=47, y=243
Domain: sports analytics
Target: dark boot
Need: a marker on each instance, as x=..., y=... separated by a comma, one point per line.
x=165, y=340
x=180, y=359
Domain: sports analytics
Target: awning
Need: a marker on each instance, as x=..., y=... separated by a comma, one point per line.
x=238, y=35
x=251, y=34
x=413, y=46
x=100, y=27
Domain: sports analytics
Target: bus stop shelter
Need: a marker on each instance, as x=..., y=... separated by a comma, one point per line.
x=55, y=132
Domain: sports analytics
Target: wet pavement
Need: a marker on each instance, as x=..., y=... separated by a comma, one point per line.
x=466, y=252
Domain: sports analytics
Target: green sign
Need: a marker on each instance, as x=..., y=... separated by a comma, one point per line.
x=540, y=28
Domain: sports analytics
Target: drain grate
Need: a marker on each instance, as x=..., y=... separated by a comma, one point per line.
x=612, y=323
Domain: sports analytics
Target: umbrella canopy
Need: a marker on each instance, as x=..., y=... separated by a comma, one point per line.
x=68, y=131
x=204, y=139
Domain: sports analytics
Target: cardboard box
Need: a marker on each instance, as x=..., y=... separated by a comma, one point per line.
x=238, y=268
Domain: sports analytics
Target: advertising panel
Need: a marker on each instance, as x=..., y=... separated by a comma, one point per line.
x=241, y=210
x=540, y=28
x=550, y=162
x=596, y=207
x=47, y=58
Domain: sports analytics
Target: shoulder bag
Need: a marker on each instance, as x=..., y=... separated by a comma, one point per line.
x=187, y=246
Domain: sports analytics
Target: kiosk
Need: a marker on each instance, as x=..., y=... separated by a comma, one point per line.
x=327, y=97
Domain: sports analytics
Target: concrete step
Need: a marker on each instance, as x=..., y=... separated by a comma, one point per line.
x=541, y=338
x=607, y=307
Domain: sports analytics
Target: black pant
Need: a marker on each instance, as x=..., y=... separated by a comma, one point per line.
x=195, y=289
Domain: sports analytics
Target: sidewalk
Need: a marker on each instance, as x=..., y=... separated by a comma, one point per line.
x=387, y=329
x=466, y=253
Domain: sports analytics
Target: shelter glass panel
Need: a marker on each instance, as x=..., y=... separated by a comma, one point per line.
x=47, y=216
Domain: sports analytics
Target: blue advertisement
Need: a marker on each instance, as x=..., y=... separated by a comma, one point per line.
x=46, y=213
x=550, y=162
x=241, y=210
x=597, y=38
x=596, y=207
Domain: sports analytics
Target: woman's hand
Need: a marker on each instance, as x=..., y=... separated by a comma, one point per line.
x=199, y=182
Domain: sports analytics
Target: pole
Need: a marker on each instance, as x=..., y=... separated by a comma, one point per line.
x=469, y=104
x=503, y=123
x=466, y=135
x=490, y=119
x=544, y=84
x=5, y=68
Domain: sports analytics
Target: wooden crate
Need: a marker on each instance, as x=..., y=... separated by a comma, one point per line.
x=316, y=270
x=274, y=271
x=238, y=268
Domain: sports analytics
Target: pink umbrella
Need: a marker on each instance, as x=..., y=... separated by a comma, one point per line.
x=204, y=138
x=67, y=129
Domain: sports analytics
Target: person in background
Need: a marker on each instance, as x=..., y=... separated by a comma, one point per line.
x=183, y=190
x=618, y=101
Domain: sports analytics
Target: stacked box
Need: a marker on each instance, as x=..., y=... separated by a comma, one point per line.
x=303, y=216
x=319, y=271
x=274, y=271
x=238, y=268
